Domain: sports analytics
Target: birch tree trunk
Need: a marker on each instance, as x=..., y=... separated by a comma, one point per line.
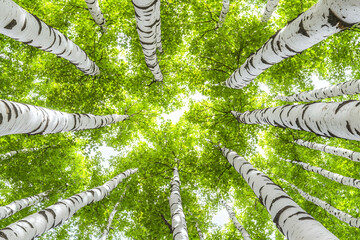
x=352, y=182
x=342, y=216
x=224, y=11
x=178, y=221
x=19, y=118
x=232, y=216
x=53, y=216
x=95, y=11
x=147, y=14
x=22, y=26
x=345, y=88
x=322, y=20
x=111, y=217
x=289, y=217
x=16, y=206
x=333, y=119
x=201, y=235
x=269, y=9
x=342, y=152
x=12, y=153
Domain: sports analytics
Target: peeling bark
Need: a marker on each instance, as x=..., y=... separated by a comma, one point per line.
x=322, y=20
x=36, y=224
x=288, y=216
x=24, y=27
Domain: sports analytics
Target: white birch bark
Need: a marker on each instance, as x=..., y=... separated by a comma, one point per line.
x=95, y=11
x=288, y=216
x=111, y=217
x=178, y=221
x=269, y=9
x=232, y=216
x=224, y=11
x=345, y=88
x=36, y=224
x=332, y=119
x=201, y=235
x=19, y=118
x=342, y=216
x=12, y=153
x=322, y=20
x=352, y=182
x=148, y=26
x=342, y=152
x=16, y=206
x=22, y=26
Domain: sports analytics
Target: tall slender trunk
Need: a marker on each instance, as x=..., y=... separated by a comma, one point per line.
x=345, y=88
x=342, y=216
x=232, y=216
x=289, y=217
x=322, y=20
x=16, y=206
x=53, y=216
x=352, y=182
x=22, y=26
x=177, y=213
x=342, y=152
x=201, y=235
x=147, y=14
x=111, y=217
x=18, y=118
x=332, y=119
x=224, y=11
x=95, y=11
x=269, y=9
x=12, y=153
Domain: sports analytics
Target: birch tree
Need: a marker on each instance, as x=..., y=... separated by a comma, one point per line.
x=288, y=216
x=12, y=153
x=224, y=11
x=201, y=235
x=19, y=118
x=106, y=232
x=345, y=88
x=322, y=20
x=18, y=205
x=342, y=216
x=178, y=221
x=269, y=9
x=342, y=152
x=352, y=182
x=17, y=23
x=147, y=15
x=95, y=11
x=333, y=119
x=232, y=216
x=53, y=216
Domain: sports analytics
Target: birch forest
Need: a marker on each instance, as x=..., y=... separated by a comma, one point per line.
x=174, y=119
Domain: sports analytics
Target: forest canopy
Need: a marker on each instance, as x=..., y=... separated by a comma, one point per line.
x=197, y=54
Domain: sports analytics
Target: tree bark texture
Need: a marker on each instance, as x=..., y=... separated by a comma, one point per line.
x=328, y=119
x=232, y=216
x=288, y=216
x=19, y=118
x=53, y=216
x=345, y=88
x=177, y=213
x=22, y=26
x=201, y=235
x=95, y=11
x=342, y=152
x=322, y=20
x=148, y=26
x=352, y=182
x=16, y=206
x=269, y=9
x=342, y=216
x=224, y=11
